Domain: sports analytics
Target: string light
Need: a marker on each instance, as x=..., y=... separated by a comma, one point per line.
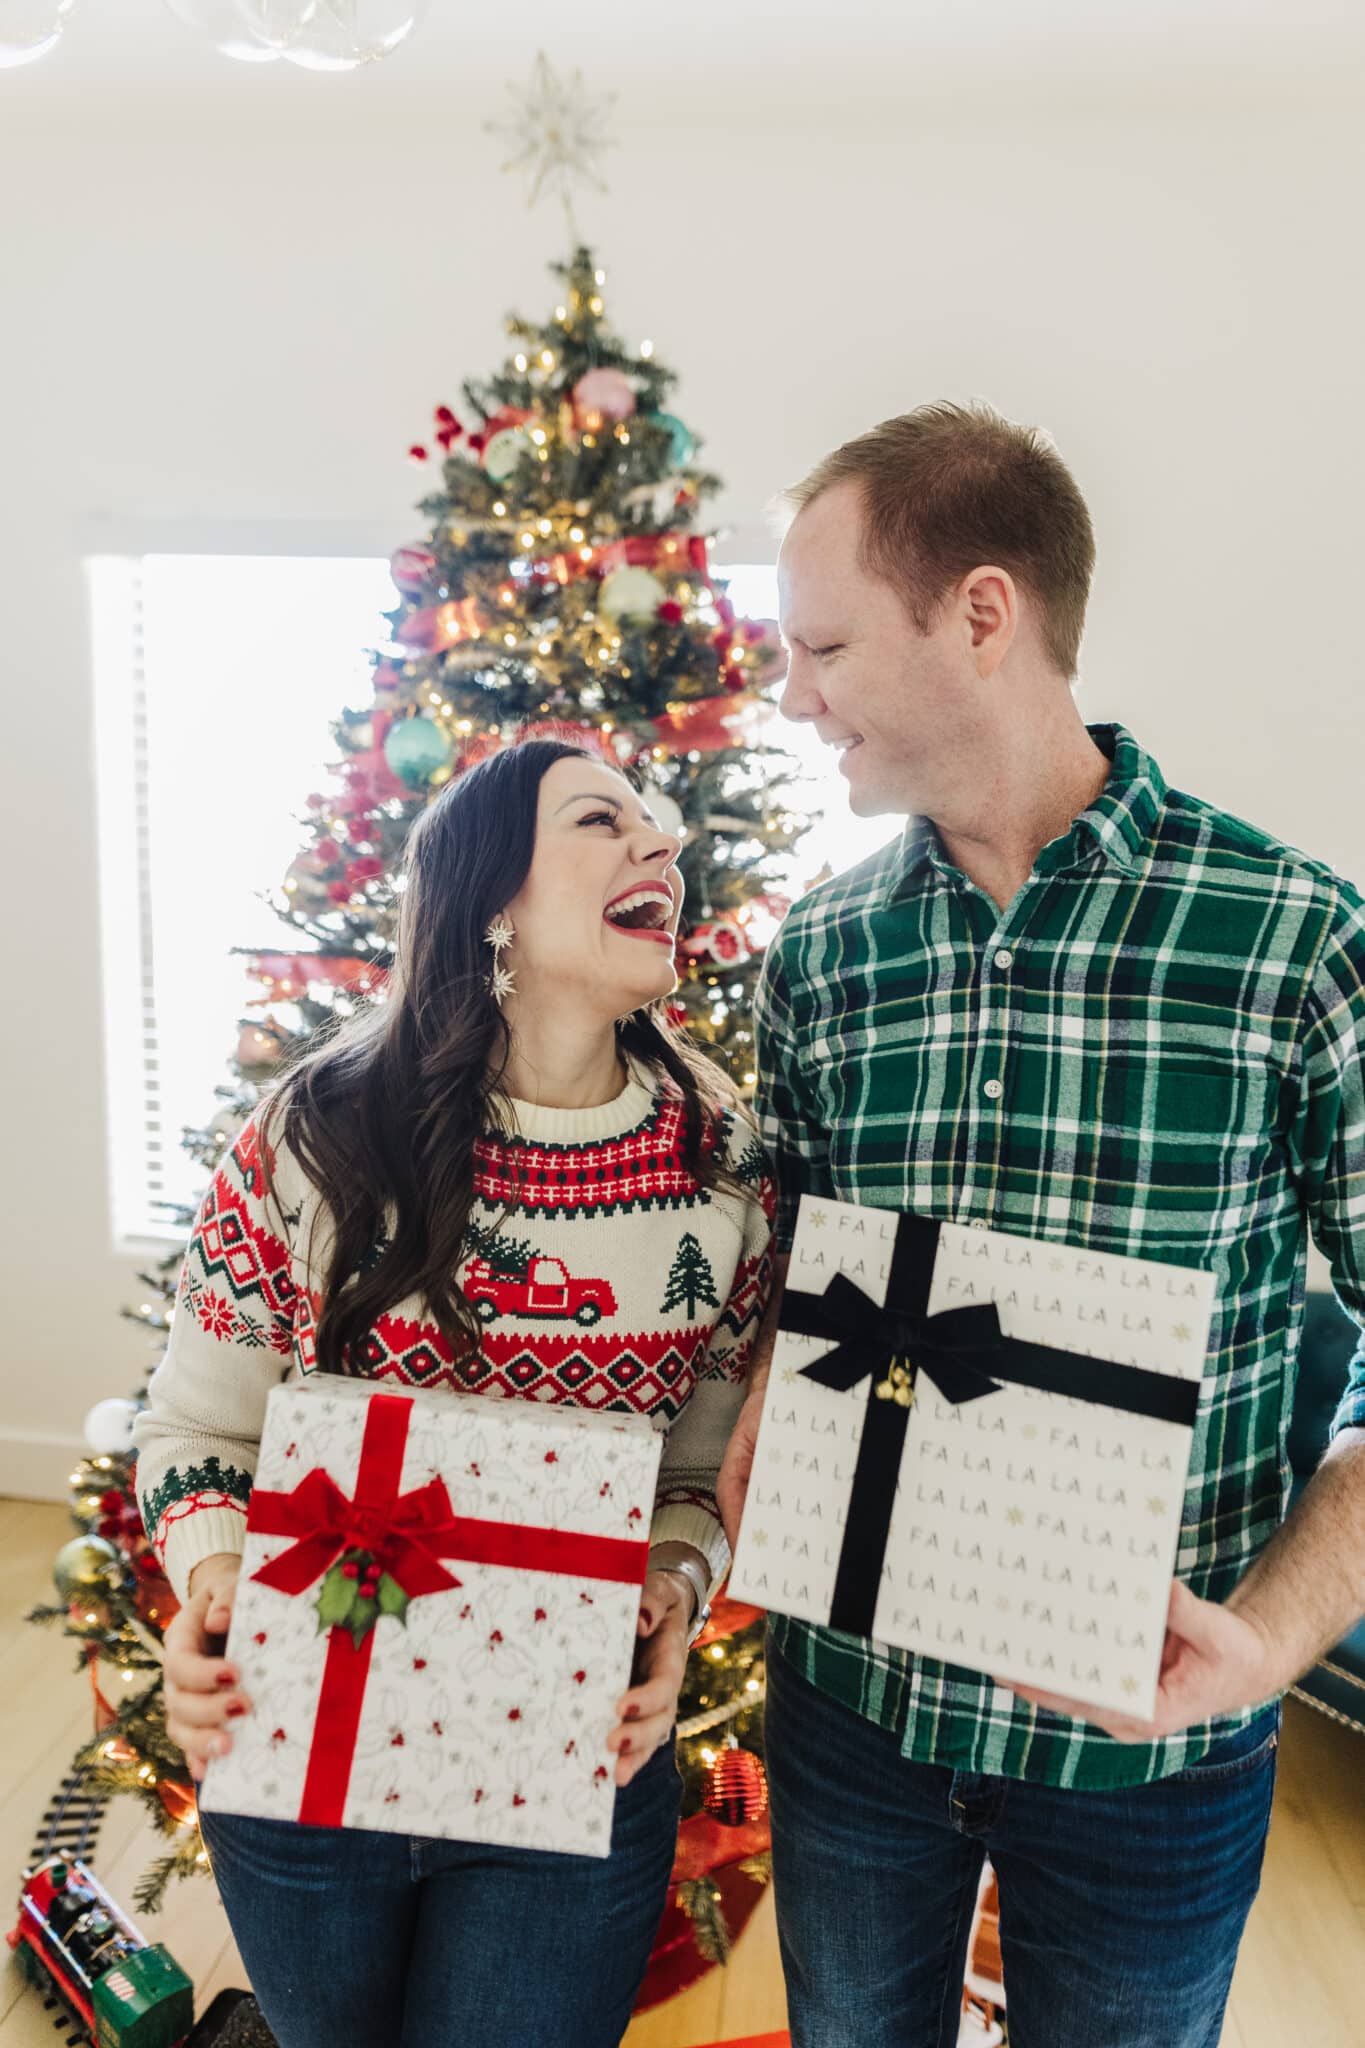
x=538, y=436
x=520, y=362
x=646, y=349
x=576, y=534
x=500, y=509
x=547, y=357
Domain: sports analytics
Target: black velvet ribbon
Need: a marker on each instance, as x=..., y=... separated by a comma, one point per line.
x=966, y=1355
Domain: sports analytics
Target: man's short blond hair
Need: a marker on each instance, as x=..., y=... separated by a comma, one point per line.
x=951, y=488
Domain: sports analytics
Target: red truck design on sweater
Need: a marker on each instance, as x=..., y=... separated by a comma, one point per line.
x=544, y=1290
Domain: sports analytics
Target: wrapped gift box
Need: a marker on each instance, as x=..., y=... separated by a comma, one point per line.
x=975, y=1445
x=469, y=1694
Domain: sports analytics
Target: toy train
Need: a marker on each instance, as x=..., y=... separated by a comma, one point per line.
x=72, y=1939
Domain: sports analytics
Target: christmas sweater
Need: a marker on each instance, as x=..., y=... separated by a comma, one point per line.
x=613, y=1281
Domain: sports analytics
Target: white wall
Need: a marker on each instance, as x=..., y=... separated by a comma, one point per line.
x=229, y=321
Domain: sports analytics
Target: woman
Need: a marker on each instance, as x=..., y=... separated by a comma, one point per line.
x=519, y=1095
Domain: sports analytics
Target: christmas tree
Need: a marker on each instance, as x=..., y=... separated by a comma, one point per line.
x=561, y=583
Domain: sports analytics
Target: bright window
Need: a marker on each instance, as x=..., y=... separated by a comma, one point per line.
x=217, y=680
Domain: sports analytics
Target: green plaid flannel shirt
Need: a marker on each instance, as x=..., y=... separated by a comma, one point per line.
x=1157, y=1050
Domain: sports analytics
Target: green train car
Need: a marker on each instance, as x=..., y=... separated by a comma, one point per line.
x=72, y=1938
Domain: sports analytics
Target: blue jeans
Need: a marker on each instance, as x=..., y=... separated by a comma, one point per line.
x=1120, y=1911
x=371, y=1940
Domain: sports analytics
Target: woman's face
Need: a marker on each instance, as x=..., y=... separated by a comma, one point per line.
x=597, y=916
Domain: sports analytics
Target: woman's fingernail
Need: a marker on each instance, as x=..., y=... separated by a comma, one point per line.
x=236, y=1708
x=226, y=1678
x=631, y=1714
x=625, y=1747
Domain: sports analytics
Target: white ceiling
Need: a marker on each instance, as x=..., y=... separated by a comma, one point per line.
x=840, y=57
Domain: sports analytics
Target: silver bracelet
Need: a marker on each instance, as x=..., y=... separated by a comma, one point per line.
x=684, y=1568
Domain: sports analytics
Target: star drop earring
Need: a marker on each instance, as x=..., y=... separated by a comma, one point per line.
x=500, y=982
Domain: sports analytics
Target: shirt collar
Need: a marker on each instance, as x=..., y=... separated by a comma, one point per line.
x=1118, y=823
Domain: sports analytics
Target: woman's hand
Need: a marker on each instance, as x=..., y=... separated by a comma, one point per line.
x=202, y=1694
x=647, y=1712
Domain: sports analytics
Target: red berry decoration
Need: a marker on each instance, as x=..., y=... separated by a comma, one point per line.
x=417, y=453
x=736, y=1788
x=671, y=612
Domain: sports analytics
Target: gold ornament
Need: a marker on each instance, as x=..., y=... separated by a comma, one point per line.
x=85, y=1561
x=899, y=1384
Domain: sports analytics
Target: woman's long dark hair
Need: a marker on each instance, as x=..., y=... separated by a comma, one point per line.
x=388, y=1109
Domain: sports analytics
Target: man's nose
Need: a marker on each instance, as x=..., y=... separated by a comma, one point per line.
x=799, y=699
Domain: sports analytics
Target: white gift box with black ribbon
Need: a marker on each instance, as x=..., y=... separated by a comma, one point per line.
x=974, y=1445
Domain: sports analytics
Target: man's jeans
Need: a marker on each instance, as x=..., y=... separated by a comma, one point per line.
x=1120, y=1911
x=357, y=1939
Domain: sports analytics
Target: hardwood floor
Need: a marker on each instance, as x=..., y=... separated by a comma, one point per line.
x=1300, y=1976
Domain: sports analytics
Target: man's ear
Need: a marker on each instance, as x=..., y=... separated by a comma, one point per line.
x=990, y=602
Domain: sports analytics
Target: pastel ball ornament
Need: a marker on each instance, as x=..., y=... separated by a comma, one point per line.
x=682, y=444
x=109, y=1425
x=629, y=594
x=416, y=749
x=601, y=395
x=504, y=451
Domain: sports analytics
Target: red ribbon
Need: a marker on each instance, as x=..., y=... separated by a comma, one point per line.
x=675, y=552
x=408, y=1534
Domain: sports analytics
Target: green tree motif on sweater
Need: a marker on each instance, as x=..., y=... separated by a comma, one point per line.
x=691, y=1279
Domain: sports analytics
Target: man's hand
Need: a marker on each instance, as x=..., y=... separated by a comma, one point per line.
x=732, y=1481
x=1214, y=1661
x=201, y=1687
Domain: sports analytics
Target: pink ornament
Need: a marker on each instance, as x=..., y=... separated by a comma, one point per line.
x=601, y=395
x=410, y=567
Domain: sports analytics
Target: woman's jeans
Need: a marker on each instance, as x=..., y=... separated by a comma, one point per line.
x=357, y=1939
x=1120, y=1911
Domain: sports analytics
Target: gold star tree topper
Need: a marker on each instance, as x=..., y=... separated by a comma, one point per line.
x=558, y=130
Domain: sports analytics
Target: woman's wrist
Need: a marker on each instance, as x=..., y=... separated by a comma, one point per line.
x=685, y=1563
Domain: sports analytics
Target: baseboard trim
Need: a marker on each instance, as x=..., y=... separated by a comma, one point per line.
x=38, y=1467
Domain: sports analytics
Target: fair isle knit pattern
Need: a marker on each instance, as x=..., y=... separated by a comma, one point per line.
x=602, y=1273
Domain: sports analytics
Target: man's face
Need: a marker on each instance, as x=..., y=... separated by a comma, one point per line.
x=912, y=704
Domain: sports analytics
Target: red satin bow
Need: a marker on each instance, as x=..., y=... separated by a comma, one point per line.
x=406, y=1533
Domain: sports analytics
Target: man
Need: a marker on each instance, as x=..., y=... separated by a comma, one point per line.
x=1071, y=1002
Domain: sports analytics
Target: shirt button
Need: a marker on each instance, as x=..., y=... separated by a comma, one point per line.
x=1004, y=960
x=995, y=1089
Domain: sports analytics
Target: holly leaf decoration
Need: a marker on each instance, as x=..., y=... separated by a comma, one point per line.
x=335, y=1599
x=393, y=1600
x=362, y=1620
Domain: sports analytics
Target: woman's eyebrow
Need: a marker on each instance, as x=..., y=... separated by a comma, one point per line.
x=590, y=796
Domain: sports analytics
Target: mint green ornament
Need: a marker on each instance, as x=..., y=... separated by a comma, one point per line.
x=415, y=750
x=682, y=442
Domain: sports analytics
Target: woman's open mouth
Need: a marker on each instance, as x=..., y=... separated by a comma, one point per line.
x=645, y=913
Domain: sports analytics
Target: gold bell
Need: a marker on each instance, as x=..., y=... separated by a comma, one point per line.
x=898, y=1386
